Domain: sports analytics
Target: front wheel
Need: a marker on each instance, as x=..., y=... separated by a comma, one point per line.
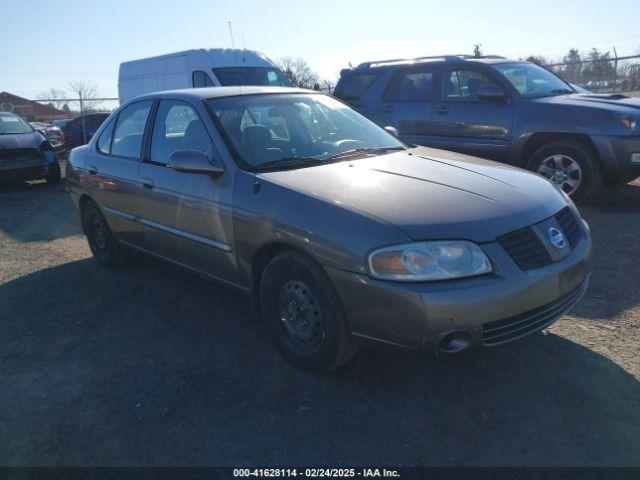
x=573, y=167
x=304, y=314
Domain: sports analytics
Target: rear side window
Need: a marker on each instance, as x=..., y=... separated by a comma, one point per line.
x=104, y=142
x=353, y=85
x=201, y=79
x=127, y=136
x=409, y=86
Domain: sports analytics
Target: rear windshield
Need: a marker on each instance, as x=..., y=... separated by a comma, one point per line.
x=12, y=125
x=258, y=76
x=353, y=85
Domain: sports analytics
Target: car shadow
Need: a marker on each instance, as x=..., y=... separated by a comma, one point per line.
x=37, y=212
x=614, y=220
x=147, y=365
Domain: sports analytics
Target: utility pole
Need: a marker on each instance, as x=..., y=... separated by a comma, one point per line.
x=615, y=70
x=84, y=130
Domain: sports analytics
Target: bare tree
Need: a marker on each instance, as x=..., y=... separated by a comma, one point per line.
x=298, y=72
x=88, y=91
x=55, y=96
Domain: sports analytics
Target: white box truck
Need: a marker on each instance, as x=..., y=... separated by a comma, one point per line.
x=196, y=69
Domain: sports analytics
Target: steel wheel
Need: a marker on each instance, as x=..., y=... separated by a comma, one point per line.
x=562, y=170
x=301, y=317
x=99, y=233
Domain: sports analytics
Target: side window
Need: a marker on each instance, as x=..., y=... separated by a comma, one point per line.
x=409, y=86
x=463, y=85
x=127, y=136
x=201, y=79
x=178, y=127
x=104, y=142
x=354, y=85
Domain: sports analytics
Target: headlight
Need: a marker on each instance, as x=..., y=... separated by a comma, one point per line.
x=426, y=261
x=629, y=121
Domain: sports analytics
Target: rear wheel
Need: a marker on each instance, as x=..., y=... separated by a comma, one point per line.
x=103, y=244
x=573, y=167
x=304, y=314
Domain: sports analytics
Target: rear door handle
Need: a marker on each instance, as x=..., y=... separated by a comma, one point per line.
x=146, y=183
x=92, y=169
x=442, y=109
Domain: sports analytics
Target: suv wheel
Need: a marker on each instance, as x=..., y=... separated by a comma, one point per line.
x=571, y=166
x=103, y=244
x=54, y=174
x=304, y=314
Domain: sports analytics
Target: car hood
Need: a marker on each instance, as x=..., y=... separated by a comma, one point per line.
x=431, y=194
x=22, y=140
x=609, y=101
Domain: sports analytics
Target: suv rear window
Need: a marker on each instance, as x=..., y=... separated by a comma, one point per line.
x=353, y=85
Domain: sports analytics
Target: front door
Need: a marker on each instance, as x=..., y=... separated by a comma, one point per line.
x=464, y=123
x=186, y=217
x=406, y=104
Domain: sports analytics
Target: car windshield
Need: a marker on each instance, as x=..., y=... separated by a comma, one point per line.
x=294, y=130
x=254, y=76
x=533, y=81
x=12, y=125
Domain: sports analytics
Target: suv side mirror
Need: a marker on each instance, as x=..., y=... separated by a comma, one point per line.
x=392, y=130
x=492, y=93
x=195, y=161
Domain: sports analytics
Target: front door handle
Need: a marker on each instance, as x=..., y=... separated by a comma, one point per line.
x=442, y=109
x=146, y=183
x=93, y=170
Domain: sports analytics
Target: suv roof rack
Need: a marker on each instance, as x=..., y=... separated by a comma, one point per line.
x=445, y=58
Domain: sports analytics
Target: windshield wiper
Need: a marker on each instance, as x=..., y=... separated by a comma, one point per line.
x=290, y=162
x=560, y=91
x=355, y=151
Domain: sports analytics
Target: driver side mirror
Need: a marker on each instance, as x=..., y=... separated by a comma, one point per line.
x=392, y=130
x=195, y=161
x=492, y=93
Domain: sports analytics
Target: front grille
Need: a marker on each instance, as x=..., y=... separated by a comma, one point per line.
x=569, y=225
x=525, y=248
x=512, y=328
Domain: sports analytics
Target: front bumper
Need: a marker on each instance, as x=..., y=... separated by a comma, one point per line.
x=419, y=315
x=620, y=154
x=26, y=169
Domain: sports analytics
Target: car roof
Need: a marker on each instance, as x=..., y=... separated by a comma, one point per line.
x=218, y=92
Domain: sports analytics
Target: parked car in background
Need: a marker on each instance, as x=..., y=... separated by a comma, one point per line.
x=61, y=122
x=196, y=69
x=73, y=133
x=51, y=133
x=25, y=154
x=511, y=111
x=339, y=232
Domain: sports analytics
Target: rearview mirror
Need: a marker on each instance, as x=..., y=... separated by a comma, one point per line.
x=492, y=93
x=195, y=161
x=392, y=130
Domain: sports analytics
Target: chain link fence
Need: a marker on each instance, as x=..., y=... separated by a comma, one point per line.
x=606, y=75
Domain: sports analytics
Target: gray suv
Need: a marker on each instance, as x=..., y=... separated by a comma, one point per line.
x=339, y=232
x=505, y=110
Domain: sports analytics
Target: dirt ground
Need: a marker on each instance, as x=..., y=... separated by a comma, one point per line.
x=149, y=365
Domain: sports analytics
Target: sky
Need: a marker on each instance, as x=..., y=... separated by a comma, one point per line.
x=87, y=39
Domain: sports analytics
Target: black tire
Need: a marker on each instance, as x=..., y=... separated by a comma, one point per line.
x=104, y=246
x=290, y=274
x=591, y=178
x=55, y=174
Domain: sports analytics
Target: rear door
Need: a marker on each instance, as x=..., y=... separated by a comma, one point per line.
x=186, y=217
x=406, y=103
x=112, y=169
x=464, y=123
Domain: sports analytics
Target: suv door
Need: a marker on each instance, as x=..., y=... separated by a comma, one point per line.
x=464, y=123
x=112, y=169
x=406, y=103
x=186, y=217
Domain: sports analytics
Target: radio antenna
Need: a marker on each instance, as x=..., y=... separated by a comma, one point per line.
x=233, y=45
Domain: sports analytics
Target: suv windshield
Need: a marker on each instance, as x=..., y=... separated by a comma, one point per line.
x=12, y=124
x=533, y=81
x=254, y=76
x=297, y=130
